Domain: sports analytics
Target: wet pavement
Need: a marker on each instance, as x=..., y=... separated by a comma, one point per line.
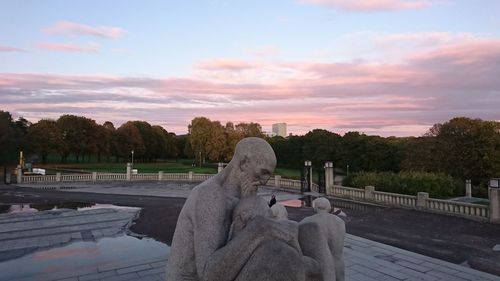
x=85, y=259
x=29, y=231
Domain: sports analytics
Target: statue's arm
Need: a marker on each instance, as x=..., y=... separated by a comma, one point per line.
x=209, y=228
x=226, y=262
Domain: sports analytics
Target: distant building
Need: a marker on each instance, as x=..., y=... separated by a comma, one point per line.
x=280, y=129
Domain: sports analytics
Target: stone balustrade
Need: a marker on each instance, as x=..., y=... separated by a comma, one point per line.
x=461, y=208
x=368, y=194
x=421, y=202
x=395, y=199
x=346, y=192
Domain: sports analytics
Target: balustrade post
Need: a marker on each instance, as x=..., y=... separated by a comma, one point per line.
x=58, y=176
x=369, y=195
x=160, y=175
x=220, y=167
x=329, y=178
x=468, y=188
x=19, y=173
x=129, y=171
x=191, y=175
x=94, y=176
x=277, y=179
x=494, y=196
x=422, y=200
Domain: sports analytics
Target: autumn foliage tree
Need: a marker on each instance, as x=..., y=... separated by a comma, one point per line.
x=210, y=140
x=44, y=138
x=467, y=148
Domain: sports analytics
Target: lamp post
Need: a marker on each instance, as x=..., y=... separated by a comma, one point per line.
x=347, y=170
x=132, y=157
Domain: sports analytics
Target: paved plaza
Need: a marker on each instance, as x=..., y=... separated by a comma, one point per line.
x=365, y=259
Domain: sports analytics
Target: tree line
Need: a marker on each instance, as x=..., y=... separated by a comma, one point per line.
x=462, y=147
x=82, y=138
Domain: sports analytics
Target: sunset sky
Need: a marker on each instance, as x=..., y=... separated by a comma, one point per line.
x=382, y=67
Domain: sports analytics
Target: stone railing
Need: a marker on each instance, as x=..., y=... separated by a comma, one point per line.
x=289, y=184
x=161, y=176
x=368, y=194
x=420, y=202
x=75, y=177
x=111, y=177
x=346, y=192
x=394, y=199
x=464, y=209
x=276, y=181
x=49, y=178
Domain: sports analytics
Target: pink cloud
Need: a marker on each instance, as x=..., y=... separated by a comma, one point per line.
x=10, y=49
x=371, y=5
x=227, y=64
x=72, y=29
x=403, y=99
x=68, y=47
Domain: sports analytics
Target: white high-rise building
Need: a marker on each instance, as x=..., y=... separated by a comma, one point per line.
x=280, y=129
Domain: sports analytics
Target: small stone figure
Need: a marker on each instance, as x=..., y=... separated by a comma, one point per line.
x=323, y=229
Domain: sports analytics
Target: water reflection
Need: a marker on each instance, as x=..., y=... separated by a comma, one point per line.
x=36, y=207
x=85, y=255
x=65, y=205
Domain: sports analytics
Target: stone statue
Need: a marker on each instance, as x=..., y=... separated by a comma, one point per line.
x=199, y=250
x=323, y=229
x=225, y=232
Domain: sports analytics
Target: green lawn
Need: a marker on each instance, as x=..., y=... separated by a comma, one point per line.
x=141, y=167
x=183, y=166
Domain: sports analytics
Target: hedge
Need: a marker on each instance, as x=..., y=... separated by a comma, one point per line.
x=438, y=185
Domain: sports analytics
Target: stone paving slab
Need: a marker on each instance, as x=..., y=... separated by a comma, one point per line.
x=370, y=260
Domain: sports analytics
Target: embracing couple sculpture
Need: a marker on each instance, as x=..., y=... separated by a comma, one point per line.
x=225, y=232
